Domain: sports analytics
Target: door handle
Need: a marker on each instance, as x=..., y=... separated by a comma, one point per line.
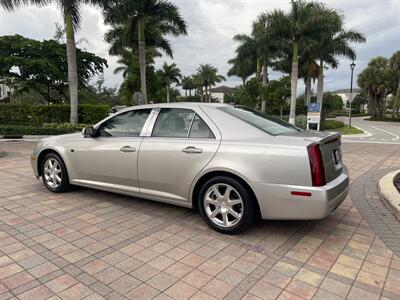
x=192, y=149
x=127, y=149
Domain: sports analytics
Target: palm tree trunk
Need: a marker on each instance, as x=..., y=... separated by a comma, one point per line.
x=142, y=58
x=396, y=101
x=320, y=85
x=167, y=93
x=264, y=84
x=308, y=91
x=190, y=93
x=258, y=66
x=72, y=67
x=293, y=83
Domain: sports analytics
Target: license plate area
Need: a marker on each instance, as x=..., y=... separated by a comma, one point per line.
x=337, y=156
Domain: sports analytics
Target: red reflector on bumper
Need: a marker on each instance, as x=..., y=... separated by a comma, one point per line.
x=304, y=194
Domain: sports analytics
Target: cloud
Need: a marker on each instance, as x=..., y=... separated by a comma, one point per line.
x=213, y=23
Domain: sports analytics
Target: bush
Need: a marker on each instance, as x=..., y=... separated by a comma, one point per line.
x=301, y=121
x=68, y=126
x=332, y=124
x=37, y=115
x=18, y=130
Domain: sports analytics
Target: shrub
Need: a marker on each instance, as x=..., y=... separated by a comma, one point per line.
x=18, y=130
x=301, y=121
x=68, y=126
x=37, y=115
x=332, y=124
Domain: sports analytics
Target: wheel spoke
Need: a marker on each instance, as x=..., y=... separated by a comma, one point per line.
x=58, y=178
x=211, y=201
x=225, y=218
x=216, y=211
x=54, y=181
x=55, y=165
x=58, y=171
x=234, y=202
x=50, y=163
x=217, y=193
x=227, y=192
x=234, y=213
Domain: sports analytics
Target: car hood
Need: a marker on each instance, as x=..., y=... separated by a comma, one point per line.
x=63, y=137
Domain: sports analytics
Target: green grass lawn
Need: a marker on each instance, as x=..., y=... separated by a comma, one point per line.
x=347, y=130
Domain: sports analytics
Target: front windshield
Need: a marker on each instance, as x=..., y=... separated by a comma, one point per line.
x=260, y=120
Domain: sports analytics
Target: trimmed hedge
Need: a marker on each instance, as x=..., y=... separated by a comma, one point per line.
x=332, y=124
x=18, y=130
x=37, y=115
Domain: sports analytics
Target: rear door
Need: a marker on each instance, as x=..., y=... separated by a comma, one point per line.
x=180, y=144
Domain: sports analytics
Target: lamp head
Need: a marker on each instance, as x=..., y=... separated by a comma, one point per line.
x=352, y=65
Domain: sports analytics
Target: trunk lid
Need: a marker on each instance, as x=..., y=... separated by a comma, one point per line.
x=330, y=146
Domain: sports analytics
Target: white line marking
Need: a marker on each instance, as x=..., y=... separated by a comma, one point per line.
x=396, y=137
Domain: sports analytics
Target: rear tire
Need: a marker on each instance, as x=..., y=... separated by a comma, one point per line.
x=226, y=205
x=54, y=173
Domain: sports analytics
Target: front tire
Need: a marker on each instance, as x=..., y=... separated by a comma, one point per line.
x=226, y=205
x=54, y=173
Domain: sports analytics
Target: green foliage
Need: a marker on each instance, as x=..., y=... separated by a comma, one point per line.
x=37, y=115
x=301, y=121
x=331, y=124
x=41, y=66
x=20, y=130
x=248, y=94
x=66, y=126
x=331, y=103
x=346, y=130
x=276, y=93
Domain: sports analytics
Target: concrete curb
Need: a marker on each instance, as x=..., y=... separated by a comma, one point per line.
x=389, y=193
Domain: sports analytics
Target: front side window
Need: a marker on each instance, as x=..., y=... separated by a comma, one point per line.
x=260, y=120
x=180, y=123
x=127, y=124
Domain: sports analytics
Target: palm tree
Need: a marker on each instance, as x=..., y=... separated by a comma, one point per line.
x=332, y=42
x=394, y=63
x=296, y=28
x=169, y=74
x=208, y=76
x=71, y=15
x=187, y=85
x=138, y=22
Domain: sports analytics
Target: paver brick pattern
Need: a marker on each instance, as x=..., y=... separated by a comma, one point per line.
x=88, y=244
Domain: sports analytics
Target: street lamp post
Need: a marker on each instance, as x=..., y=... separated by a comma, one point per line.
x=352, y=66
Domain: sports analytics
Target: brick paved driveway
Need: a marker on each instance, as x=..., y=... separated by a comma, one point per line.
x=90, y=244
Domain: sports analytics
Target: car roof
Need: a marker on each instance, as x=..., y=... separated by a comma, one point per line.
x=175, y=104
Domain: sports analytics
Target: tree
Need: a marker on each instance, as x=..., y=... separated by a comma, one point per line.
x=187, y=85
x=71, y=15
x=276, y=94
x=139, y=21
x=377, y=81
x=332, y=42
x=41, y=66
x=248, y=93
x=169, y=74
x=208, y=76
x=297, y=27
x=394, y=63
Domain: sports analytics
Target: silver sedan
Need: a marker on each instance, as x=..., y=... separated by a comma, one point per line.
x=232, y=163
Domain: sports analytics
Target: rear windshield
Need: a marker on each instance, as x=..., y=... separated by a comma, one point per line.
x=260, y=120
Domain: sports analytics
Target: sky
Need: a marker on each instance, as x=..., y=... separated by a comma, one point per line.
x=211, y=26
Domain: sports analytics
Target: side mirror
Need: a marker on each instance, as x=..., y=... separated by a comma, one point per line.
x=89, y=131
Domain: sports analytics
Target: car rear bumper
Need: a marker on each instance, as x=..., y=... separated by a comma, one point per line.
x=277, y=202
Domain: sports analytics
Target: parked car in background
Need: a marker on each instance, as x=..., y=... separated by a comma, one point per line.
x=232, y=163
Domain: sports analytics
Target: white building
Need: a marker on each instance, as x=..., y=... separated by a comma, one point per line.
x=346, y=95
x=221, y=91
x=5, y=92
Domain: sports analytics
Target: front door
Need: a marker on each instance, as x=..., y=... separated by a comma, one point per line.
x=109, y=159
x=180, y=146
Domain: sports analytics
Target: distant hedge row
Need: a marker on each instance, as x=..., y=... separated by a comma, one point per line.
x=37, y=115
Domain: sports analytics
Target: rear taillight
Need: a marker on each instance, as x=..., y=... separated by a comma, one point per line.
x=316, y=165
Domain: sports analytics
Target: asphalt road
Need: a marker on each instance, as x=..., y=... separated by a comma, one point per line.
x=375, y=132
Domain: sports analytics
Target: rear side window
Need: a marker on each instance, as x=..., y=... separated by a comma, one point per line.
x=260, y=120
x=180, y=123
x=128, y=124
x=200, y=129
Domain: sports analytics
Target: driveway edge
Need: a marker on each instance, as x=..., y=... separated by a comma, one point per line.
x=389, y=193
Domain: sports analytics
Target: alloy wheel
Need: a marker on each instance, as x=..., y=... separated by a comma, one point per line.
x=223, y=205
x=52, y=173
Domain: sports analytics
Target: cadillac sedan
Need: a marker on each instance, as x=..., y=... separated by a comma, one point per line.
x=232, y=163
